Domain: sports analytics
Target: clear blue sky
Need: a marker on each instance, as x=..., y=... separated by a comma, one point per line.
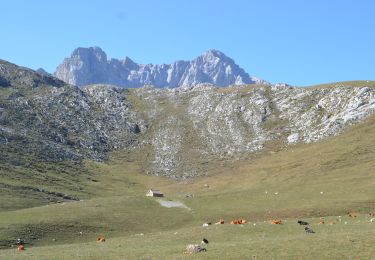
x=294, y=41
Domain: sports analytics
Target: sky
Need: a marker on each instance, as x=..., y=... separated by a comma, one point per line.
x=293, y=41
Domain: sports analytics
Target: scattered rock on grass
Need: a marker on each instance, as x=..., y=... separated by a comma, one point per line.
x=192, y=249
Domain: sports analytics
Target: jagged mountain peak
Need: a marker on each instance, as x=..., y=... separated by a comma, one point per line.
x=214, y=53
x=215, y=57
x=91, y=52
x=129, y=63
x=90, y=66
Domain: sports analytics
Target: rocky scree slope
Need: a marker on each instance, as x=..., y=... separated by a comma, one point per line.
x=90, y=66
x=191, y=127
x=43, y=116
x=48, y=128
x=177, y=133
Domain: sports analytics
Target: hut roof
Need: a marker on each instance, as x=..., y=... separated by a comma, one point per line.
x=156, y=191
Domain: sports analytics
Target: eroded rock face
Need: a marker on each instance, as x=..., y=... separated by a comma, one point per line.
x=175, y=133
x=196, y=125
x=71, y=120
x=314, y=114
x=90, y=66
x=42, y=116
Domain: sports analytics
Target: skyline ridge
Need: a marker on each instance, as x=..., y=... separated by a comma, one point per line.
x=91, y=65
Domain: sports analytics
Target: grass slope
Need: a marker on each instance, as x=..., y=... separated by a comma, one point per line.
x=353, y=240
x=340, y=167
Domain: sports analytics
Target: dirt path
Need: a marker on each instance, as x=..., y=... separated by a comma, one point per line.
x=173, y=204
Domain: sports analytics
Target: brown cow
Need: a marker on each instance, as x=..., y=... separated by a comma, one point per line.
x=20, y=248
x=242, y=221
x=100, y=239
x=276, y=222
x=220, y=222
x=352, y=214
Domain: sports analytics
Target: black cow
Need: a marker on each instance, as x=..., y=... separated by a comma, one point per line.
x=302, y=223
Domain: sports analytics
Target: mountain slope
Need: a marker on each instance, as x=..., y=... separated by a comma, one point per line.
x=193, y=130
x=341, y=167
x=69, y=122
x=178, y=133
x=91, y=66
x=48, y=128
x=261, y=152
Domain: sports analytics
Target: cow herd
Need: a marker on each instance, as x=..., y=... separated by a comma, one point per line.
x=195, y=248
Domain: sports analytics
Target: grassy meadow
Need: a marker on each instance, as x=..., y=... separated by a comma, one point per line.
x=326, y=180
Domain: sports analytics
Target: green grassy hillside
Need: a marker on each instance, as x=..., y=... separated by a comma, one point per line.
x=324, y=179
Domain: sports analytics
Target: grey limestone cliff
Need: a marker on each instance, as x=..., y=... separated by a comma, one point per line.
x=88, y=66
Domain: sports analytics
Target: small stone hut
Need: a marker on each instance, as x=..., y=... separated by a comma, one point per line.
x=154, y=193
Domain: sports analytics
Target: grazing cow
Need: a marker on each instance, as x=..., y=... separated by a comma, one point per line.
x=242, y=221
x=309, y=230
x=204, y=241
x=100, y=239
x=302, y=223
x=19, y=241
x=276, y=222
x=352, y=215
x=372, y=220
x=20, y=248
x=238, y=221
x=321, y=221
x=220, y=222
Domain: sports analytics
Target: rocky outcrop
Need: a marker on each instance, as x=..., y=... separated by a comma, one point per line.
x=314, y=114
x=91, y=66
x=176, y=133
x=204, y=124
x=42, y=116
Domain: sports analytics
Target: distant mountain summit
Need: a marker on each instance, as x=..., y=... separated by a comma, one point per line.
x=43, y=72
x=88, y=66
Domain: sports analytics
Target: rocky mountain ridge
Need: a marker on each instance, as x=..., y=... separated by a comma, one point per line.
x=88, y=66
x=176, y=133
x=57, y=121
